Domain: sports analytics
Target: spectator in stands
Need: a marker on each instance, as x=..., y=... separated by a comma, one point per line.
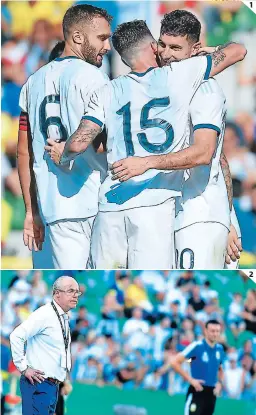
x=162, y=332
x=39, y=287
x=89, y=371
x=136, y=296
x=120, y=285
x=247, y=123
x=177, y=294
x=83, y=323
x=4, y=362
x=175, y=315
x=235, y=320
x=39, y=46
x=152, y=381
x=242, y=162
x=211, y=311
x=111, y=368
x=249, y=313
x=126, y=376
x=207, y=293
x=234, y=379
x=195, y=301
x=135, y=323
x=186, y=333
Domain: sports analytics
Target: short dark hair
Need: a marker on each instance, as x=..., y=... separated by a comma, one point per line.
x=57, y=50
x=128, y=35
x=181, y=23
x=82, y=12
x=215, y=322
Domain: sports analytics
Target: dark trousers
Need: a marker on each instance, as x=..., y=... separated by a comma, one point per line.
x=38, y=399
x=60, y=408
x=200, y=403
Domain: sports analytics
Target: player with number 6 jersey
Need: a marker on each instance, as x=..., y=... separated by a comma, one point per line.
x=55, y=98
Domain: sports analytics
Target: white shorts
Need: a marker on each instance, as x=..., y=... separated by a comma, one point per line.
x=70, y=243
x=201, y=246
x=139, y=238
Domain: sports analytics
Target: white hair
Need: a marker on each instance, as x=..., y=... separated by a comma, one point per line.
x=58, y=284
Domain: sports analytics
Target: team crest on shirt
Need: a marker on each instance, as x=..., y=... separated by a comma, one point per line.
x=218, y=355
x=193, y=407
x=205, y=357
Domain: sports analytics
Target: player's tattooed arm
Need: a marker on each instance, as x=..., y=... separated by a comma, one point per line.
x=227, y=177
x=62, y=153
x=80, y=140
x=227, y=55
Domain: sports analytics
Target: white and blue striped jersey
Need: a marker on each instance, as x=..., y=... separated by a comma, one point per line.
x=146, y=114
x=204, y=193
x=55, y=98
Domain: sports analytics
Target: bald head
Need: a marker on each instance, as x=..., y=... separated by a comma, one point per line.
x=66, y=292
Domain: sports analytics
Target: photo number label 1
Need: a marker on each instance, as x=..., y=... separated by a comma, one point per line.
x=251, y=5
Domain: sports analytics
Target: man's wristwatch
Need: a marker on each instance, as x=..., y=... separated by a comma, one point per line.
x=24, y=371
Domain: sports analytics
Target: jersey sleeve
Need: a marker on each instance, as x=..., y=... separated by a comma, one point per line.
x=190, y=73
x=23, y=100
x=97, y=105
x=190, y=351
x=96, y=80
x=207, y=107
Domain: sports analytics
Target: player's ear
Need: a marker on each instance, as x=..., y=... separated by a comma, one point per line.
x=78, y=37
x=195, y=48
x=154, y=47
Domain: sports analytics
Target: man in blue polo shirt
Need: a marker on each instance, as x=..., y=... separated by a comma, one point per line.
x=206, y=371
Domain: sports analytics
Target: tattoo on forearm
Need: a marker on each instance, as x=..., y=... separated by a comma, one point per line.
x=84, y=133
x=218, y=57
x=84, y=136
x=227, y=177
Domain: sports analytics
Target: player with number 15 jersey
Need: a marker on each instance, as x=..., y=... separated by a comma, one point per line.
x=144, y=113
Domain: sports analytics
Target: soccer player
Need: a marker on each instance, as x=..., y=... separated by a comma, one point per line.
x=134, y=227
x=53, y=100
x=206, y=376
x=207, y=192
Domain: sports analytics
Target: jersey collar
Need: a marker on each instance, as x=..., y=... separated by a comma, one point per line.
x=66, y=57
x=60, y=311
x=142, y=73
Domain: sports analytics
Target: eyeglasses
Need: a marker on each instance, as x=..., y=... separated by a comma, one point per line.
x=72, y=292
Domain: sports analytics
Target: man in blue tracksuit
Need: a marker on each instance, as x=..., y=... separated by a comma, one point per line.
x=206, y=371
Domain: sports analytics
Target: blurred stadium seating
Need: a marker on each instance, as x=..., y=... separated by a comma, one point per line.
x=29, y=31
x=117, y=358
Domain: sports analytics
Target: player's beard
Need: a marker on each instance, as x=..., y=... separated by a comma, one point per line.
x=90, y=53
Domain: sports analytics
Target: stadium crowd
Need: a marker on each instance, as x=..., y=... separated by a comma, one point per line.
x=31, y=28
x=128, y=325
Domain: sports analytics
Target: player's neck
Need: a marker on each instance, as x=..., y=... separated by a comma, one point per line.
x=142, y=65
x=68, y=51
x=210, y=343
